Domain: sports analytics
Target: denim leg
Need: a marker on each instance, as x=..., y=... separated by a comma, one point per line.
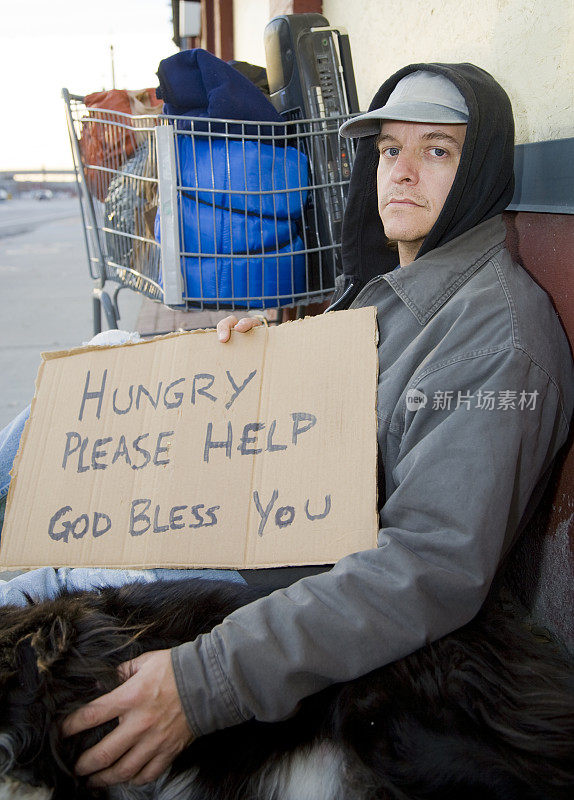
x=9, y=443
x=46, y=582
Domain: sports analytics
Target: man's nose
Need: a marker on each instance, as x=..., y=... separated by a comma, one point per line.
x=405, y=168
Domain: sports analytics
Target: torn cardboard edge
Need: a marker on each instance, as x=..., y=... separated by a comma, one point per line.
x=222, y=563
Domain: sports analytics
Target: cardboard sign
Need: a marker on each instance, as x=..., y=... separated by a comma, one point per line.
x=182, y=451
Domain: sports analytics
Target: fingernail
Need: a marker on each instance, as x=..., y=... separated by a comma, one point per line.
x=220, y=335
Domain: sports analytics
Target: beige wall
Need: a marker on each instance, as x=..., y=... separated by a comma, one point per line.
x=249, y=20
x=528, y=45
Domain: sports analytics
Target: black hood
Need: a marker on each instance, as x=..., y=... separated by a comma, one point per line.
x=483, y=185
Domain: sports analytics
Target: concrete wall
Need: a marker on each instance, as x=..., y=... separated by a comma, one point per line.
x=527, y=45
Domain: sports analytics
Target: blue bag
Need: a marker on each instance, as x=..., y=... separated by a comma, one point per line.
x=241, y=204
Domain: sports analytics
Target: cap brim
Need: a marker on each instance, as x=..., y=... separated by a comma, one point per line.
x=370, y=124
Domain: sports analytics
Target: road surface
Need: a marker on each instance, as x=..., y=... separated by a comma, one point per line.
x=45, y=292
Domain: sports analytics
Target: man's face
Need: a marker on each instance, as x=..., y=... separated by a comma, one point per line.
x=417, y=165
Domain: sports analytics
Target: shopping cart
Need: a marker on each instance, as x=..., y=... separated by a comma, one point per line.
x=208, y=214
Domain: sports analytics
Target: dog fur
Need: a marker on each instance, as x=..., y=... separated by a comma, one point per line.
x=486, y=712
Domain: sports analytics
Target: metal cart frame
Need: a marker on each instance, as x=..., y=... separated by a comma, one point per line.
x=210, y=214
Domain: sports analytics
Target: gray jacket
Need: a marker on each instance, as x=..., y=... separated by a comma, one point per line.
x=475, y=398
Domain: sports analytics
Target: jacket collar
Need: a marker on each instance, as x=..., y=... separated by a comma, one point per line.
x=426, y=284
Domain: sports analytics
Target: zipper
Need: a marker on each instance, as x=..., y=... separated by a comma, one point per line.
x=365, y=287
x=348, y=291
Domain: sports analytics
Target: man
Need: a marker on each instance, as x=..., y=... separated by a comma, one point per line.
x=475, y=397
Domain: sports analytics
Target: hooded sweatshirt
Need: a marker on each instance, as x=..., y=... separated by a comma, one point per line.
x=483, y=186
x=468, y=331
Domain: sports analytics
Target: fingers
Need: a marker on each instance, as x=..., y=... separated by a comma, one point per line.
x=128, y=669
x=115, y=746
x=103, y=709
x=225, y=326
x=140, y=764
x=152, y=727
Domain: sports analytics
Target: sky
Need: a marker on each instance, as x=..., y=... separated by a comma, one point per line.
x=49, y=44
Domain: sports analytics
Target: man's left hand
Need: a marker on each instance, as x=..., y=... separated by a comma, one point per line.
x=152, y=728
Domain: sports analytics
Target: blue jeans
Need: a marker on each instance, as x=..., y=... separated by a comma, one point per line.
x=44, y=583
x=9, y=441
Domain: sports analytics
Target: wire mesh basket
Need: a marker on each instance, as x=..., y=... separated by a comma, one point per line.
x=210, y=214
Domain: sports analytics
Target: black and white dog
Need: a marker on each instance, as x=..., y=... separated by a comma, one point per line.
x=485, y=713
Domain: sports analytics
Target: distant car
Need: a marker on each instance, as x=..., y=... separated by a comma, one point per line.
x=3, y=195
x=44, y=194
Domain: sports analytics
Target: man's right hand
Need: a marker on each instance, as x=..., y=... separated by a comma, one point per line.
x=225, y=326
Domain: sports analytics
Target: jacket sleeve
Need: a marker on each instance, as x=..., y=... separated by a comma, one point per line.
x=459, y=479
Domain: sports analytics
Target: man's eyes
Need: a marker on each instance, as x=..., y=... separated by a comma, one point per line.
x=392, y=152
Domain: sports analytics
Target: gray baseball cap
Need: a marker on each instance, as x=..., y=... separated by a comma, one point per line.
x=420, y=96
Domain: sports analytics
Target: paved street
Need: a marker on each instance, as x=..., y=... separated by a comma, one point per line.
x=45, y=292
x=21, y=216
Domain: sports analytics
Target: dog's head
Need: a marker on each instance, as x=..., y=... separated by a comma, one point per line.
x=54, y=657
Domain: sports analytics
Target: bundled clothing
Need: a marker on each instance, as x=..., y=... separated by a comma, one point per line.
x=130, y=208
x=195, y=83
x=242, y=199
x=109, y=137
x=475, y=398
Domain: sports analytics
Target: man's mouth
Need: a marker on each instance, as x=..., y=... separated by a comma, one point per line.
x=403, y=201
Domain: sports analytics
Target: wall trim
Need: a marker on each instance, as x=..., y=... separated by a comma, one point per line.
x=544, y=174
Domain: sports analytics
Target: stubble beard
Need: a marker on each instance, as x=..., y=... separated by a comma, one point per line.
x=405, y=231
